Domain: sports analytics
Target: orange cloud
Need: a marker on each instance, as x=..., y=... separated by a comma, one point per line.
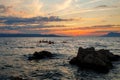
x=85, y=31
x=22, y=8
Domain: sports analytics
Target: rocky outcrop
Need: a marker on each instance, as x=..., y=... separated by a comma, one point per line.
x=45, y=41
x=89, y=58
x=40, y=55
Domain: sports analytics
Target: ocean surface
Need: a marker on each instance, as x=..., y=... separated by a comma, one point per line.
x=14, y=53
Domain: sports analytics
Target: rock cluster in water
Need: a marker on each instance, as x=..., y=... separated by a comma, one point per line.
x=89, y=58
x=40, y=55
x=45, y=41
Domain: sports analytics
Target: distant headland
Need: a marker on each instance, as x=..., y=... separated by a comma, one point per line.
x=111, y=34
x=29, y=35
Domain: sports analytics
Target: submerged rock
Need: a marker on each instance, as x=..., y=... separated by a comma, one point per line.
x=40, y=55
x=89, y=58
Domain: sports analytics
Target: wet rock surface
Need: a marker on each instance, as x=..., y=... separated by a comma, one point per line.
x=5, y=77
x=40, y=55
x=16, y=78
x=89, y=58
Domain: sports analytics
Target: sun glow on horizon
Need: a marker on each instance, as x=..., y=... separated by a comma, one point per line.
x=62, y=17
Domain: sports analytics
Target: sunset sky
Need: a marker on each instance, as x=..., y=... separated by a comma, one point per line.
x=61, y=17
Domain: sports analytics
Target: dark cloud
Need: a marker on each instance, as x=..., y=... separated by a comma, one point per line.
x=107, y=6
x=24, y=29
x=102, y=6
x=20, y=27
x=91, y=27
x=42, y=28
x=94, y=27
x=103, y=26
x=99, y=26
x=56, y=27
x=29, y=27
x=14, y=20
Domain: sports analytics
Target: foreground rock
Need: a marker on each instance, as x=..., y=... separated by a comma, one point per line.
x=89, y=58
x=40, y=55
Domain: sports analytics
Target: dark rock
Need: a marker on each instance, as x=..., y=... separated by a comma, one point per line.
x=110, y=55
x=50, y=42
x=64, y=42
x=99, y=61
x=16, y=78
x=45, y=41
x=40, y=55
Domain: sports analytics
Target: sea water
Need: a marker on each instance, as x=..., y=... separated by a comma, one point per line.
x=15, y=51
